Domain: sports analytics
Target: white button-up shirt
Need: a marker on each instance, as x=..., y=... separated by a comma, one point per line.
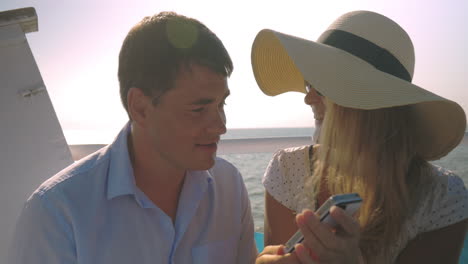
x=92, y=212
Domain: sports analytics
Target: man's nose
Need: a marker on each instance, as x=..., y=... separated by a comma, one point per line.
x=218, y=123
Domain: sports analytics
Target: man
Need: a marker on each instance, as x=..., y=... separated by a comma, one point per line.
x=157, y=194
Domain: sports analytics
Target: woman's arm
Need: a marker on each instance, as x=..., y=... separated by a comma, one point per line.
x=279, y=222
x=439, y=246
x=279, y=226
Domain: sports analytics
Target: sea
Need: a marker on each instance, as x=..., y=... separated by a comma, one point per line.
x=253, y=165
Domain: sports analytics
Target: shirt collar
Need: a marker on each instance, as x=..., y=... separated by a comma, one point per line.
x=121, y=180
x=200, y=177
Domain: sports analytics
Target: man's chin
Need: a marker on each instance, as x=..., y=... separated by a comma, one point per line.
x=204, y=165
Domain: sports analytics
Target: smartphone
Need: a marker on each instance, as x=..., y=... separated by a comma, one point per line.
x=349, y=202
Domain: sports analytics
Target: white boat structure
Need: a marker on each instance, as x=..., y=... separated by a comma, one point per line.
x=32, y=143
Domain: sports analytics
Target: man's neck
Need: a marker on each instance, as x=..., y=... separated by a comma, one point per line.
x=161, y=182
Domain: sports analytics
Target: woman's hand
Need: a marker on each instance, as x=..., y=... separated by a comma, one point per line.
x=275, y=255
x=327, y=244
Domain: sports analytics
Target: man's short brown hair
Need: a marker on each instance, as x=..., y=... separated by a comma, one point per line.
x=156, y=49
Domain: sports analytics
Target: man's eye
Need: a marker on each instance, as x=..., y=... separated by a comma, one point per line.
x=198, y=110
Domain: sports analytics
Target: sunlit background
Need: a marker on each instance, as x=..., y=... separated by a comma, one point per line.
x=77, y=46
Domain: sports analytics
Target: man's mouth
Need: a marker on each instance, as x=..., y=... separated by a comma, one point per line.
x=210, y=147
x=207, y=145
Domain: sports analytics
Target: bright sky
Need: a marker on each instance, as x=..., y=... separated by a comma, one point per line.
x=77, y=46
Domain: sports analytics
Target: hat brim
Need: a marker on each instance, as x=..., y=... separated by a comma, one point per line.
x=281, y=63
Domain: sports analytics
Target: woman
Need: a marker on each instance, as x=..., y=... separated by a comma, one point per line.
x=378, y=134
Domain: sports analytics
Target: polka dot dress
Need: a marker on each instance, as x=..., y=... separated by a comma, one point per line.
x=285, y=175
x=446, y=201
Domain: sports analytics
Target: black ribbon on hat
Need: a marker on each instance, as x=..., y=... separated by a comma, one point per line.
x=360, y=47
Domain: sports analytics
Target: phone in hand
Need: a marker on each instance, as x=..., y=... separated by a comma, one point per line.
x=349, y=202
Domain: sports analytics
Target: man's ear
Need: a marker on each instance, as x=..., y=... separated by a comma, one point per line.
x=138, y=105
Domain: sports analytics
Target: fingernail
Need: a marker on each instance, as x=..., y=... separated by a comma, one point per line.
x=300, y=249
x=309, y=215
x=280, y=251
x=300, y=220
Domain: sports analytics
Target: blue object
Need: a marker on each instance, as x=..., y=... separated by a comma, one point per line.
x=463, y=256
x=259, y=241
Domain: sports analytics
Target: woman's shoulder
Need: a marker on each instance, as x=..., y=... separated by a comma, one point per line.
x=285, y=174
x=445, y=200
x=292, y=152
x=289, y=160
x=445, y=183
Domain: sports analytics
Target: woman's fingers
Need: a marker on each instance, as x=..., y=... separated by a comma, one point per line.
x=304, y=255
x=270, y=259
x=317, y=235
x=269, y=256
x=323, y=242
x=272, y=250
x=348, y=224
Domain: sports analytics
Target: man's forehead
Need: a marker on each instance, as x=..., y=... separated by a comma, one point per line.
x=201, y=81
x=195, y=93
x=203, y=100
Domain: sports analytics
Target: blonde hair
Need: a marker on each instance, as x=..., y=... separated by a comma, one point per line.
x=370, y=152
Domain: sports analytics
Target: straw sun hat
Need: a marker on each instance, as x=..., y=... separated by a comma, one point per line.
x=364, y=60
